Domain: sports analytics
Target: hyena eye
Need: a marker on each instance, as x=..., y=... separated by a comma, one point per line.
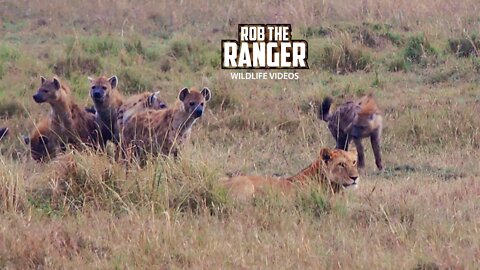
x=192, y=103
x=201, y=104
x=93, y=87
x=44, y=91
x=104, y=87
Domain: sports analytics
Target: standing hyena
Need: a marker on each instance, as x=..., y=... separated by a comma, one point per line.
x=355, y=120
x=163, y=131
x=70, y=124
x=107, y=100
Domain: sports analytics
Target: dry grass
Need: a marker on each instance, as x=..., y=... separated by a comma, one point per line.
x=86, y=211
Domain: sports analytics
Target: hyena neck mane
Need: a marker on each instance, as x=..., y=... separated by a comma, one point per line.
x=63, y=106
x=182, y=121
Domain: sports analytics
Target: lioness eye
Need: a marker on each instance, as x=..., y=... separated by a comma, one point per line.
x=354, y=162
x=341, y=164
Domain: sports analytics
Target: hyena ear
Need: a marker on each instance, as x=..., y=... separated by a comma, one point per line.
x=43, y=79
x=56, y=82
x=207, y=94
x=90, y=79
x=26, y=139
x=151, y=99
x=183, y=94
x=3, y=132
x=326, y=154
x=113, y=81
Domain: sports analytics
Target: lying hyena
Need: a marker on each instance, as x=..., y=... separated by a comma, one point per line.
x=70, y=124
x=107, y=101
x=355, y=120
x=163, y=131
x=138, y=103
x=42, y=148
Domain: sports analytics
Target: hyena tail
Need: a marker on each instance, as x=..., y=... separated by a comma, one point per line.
x=324, y=109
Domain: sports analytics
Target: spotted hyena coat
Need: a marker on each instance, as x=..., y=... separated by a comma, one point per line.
x=107, y=101
x=355, y=120
x=164, y=131
x=139, y=103
x=70, y=124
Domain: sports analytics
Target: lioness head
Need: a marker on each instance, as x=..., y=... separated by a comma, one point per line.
x=340, y=167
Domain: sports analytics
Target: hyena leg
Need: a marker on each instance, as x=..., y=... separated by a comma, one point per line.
x=342, y=141
x=375, y=140
x=360, y=152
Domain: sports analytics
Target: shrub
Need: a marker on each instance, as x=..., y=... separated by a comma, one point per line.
x=345, y=57
x=417, y=49
x=464, y=47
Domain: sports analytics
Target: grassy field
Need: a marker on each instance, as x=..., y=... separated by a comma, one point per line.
x=418, y=57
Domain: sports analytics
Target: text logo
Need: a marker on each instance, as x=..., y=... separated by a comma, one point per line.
x=264, y=46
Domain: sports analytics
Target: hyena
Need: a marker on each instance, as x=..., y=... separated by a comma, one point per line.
x=355, y=120
x=42, y=148
x=139, y=103
x=70, y=124
x=107, y=101
x=163, y=131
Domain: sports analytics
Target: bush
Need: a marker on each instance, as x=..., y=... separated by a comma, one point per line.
x=345, y=58
x=417, y=49
x=465, y=47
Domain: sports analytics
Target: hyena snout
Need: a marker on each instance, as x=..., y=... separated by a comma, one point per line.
x=39, y=98
x=198, y=112
x=98, y=93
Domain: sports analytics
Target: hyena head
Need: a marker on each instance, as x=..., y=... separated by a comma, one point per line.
x=194, y=101
x=155, y=102
x=367, y=119
x=101, y=88
x=40, y=146
x=49, y=90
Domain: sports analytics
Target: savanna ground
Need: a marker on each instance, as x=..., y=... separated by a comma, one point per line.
x=418, y=57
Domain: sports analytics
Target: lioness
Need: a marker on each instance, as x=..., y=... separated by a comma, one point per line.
x=335, y=169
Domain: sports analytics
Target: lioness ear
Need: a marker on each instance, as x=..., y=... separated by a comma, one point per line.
x=26, y=139
x=183, y=94
x=207, y=94
x=56, y=82
x=43, y=79
x=90, y=79
x=113, y=81
x=326, y=154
